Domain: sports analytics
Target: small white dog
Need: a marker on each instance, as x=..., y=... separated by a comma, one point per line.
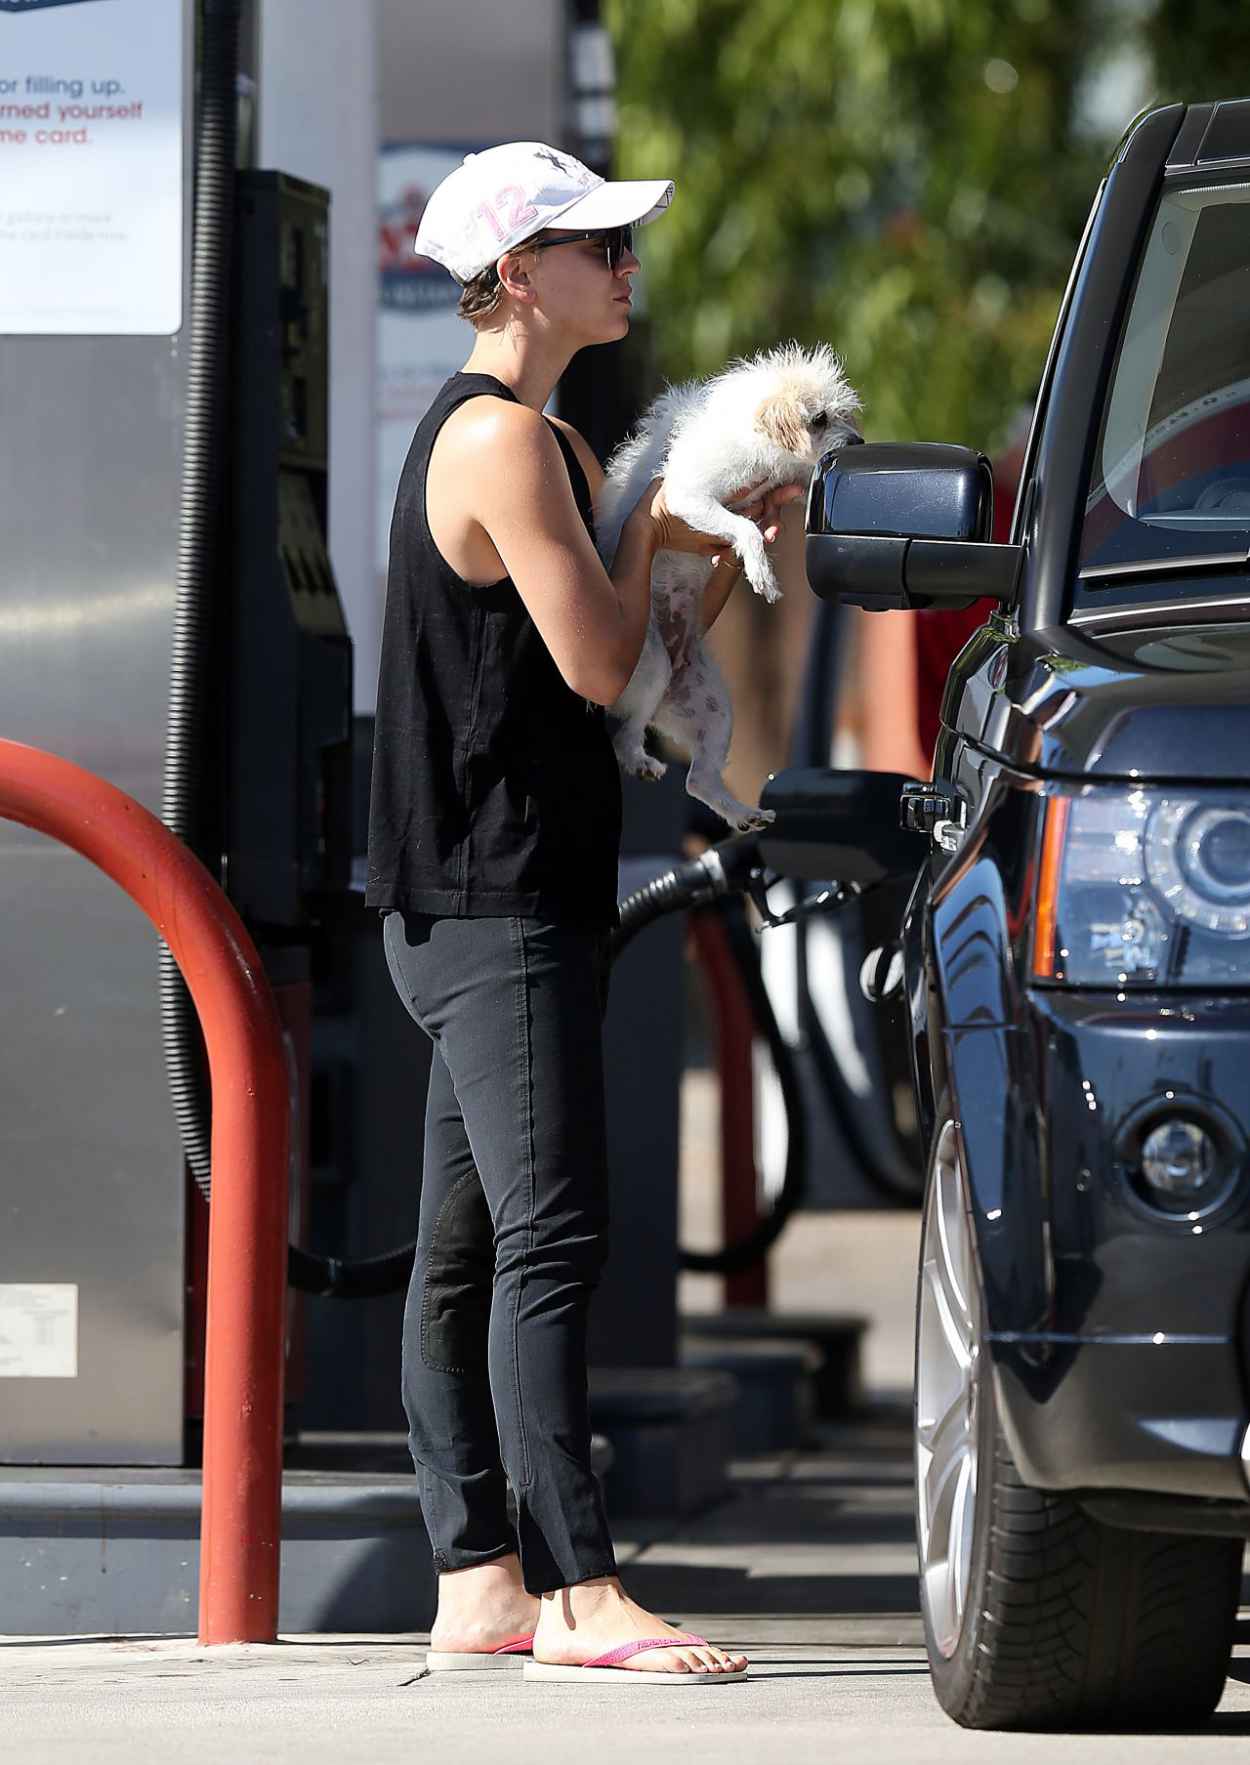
x=761, y=422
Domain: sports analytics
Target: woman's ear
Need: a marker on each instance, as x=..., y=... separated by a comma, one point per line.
x=781, y=419
x=513, y=271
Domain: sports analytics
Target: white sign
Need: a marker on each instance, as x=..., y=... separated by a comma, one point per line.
x=38, y=1330
x=91, y=166
x=421, y=341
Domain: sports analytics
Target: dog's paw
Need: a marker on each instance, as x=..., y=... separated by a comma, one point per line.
x=753, y=820
x=742, y=817
x=643, y=765
x=760, y=574
x=764, y=582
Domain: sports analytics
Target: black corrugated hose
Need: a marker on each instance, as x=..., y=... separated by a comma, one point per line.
x=733, y=1258
x=199, y=539
x=718, y=876
x=721, y=870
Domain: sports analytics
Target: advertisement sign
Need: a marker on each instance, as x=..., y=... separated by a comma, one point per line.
x=420, y=339
x=91, y=167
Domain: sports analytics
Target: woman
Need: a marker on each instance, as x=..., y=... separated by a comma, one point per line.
x=494, y=832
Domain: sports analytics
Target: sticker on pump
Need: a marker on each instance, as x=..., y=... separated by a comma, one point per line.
x=38, y=1330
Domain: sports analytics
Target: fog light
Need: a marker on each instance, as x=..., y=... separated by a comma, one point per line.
x=1179, y=1163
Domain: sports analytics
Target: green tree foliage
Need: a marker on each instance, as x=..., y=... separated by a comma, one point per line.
x=1196, y=49
x=904, y=178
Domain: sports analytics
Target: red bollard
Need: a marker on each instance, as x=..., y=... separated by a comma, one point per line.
x=240, y=1531
x=735, y=1037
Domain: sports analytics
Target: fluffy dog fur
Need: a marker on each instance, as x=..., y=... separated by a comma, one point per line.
x=764, y=421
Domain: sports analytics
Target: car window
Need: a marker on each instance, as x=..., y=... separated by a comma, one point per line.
x=1171, y=469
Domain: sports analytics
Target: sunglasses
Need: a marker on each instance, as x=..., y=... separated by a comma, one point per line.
x=616, y=242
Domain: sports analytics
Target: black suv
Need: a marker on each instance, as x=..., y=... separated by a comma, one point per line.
x=1076, y=967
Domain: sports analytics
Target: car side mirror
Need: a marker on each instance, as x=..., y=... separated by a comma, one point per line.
x=834, y=826
x=906, y=524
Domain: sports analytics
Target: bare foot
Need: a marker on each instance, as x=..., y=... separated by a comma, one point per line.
x=483, y=1607
x=577, y=1623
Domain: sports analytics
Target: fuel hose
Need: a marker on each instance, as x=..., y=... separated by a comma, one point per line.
x=713, y=881
x=199, y=528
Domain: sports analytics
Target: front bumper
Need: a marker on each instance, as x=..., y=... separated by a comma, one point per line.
x=1165, y=1418
x=1118, y=1334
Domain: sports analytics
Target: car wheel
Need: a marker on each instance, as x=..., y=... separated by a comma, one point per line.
x=1036, y=1616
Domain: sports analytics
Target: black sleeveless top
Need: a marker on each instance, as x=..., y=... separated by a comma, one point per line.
x=495, y=787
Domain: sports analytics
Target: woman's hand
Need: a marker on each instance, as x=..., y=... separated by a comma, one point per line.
x=764, y=507
x=671, y=533
x=750, y=500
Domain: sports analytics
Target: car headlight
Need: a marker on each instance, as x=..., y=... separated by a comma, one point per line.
x=1198, y=860
x=1145, y=887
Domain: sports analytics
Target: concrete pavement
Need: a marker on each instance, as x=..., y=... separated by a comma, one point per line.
x=362, y=1699
x=809, y=1566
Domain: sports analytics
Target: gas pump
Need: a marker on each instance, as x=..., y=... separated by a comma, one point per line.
x=284, y=809
x=171, y=622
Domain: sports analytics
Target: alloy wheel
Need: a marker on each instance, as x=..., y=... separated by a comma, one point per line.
x=947, y=1351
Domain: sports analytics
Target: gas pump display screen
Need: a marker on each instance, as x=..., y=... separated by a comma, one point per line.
x=91, y=167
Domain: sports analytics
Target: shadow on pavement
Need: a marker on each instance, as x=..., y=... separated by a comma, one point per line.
x=824, y=1530
x=670, y=1587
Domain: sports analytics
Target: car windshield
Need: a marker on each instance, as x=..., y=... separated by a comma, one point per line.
x=1171, y=470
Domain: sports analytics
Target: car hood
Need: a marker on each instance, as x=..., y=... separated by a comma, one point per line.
x=1168, y=702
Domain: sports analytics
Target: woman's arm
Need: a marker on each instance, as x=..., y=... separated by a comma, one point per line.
x=719, y=587
x=766, y=510
x=593, y=621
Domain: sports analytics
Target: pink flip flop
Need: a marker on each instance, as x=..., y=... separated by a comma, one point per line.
x=508, y=1657
x=608, y=1667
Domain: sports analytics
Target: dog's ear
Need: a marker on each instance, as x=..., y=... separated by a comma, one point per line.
x=781, y=419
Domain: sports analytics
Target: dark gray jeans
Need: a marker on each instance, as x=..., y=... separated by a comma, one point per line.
x=512, y=1238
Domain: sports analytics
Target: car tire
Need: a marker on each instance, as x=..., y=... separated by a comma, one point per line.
x=1035, y=1615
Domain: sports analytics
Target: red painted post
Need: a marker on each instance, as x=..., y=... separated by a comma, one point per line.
x=240, y=1531
x=735, y=1035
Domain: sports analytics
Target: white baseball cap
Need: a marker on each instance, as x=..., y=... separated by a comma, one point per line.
x=499, y=198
